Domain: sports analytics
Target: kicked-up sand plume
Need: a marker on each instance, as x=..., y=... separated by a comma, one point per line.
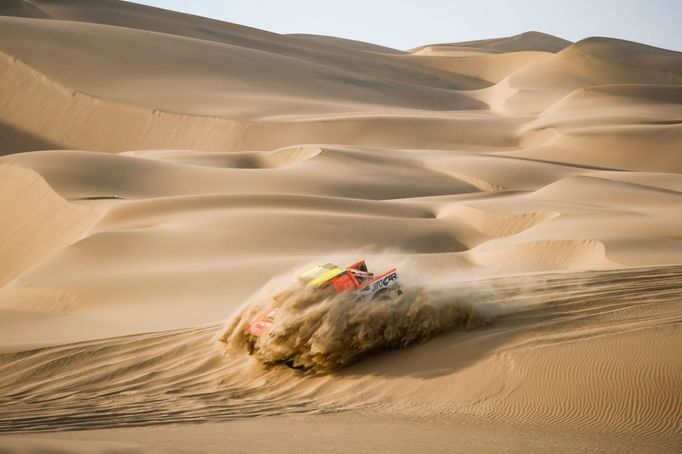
x=322, y=333
x=162, y=175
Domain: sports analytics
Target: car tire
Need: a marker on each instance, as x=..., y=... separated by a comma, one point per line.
x=383, y=294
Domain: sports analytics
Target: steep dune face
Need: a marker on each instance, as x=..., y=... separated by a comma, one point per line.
x=600, y=61
x=35, y=221
x=208, y=95
x=163, y=176
x=492, y=67
x=611, y=126
x=602, y=102
x=40, y=113
x=226, y=70
x=590, y=62
x=529, y=41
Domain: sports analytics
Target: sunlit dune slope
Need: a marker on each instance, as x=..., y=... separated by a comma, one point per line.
x=35, y=221
x=217, y=224
x=529, y=41
x=612, y=370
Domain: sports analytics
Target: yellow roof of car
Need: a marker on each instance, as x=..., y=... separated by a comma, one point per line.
x=315, y=277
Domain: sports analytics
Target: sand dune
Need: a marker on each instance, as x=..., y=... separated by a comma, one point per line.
x=162, y=174
x=555, y=344
x=36, y=221
x=492, y=68
x=529, y=41
x=623, y=119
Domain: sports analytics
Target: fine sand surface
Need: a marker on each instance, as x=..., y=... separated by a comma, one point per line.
x=160, y=173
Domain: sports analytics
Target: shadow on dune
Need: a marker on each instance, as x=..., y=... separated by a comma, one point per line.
x=441, y=355
x=13, y=140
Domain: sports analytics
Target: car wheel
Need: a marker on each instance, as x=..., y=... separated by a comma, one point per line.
x=382, y=295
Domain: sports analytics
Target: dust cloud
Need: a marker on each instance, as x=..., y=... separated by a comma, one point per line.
x=322, y=333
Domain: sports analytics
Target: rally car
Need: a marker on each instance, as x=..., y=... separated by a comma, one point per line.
x=331, y=279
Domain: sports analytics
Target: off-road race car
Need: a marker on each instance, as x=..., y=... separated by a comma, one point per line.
x=329, y=279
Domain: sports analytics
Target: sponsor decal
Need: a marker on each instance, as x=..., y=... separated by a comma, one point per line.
x=385, y=281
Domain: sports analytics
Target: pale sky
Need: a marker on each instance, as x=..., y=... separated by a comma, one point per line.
x=404, y=24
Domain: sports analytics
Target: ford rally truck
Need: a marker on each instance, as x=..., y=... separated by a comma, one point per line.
x=333, y=280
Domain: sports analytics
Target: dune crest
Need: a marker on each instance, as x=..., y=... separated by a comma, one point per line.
x=36, y=221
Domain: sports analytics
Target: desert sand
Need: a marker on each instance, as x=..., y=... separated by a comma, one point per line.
x=161, y=173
